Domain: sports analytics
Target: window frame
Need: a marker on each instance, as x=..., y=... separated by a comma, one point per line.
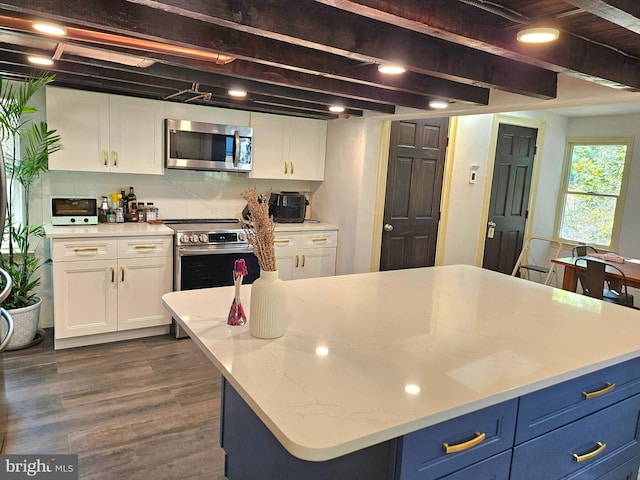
x=564, y=190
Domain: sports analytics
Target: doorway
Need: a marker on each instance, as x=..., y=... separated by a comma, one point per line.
x=415, y=171
x=509, y=201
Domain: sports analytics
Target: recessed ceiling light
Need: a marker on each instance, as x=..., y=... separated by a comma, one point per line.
x=236, y=92
x=439, y=104
x=391, y=69
x=40, y=60
x=336, y=108
x=538, y=35
x=49, y=28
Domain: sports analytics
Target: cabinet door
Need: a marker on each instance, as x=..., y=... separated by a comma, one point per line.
x=84, y=298
x=136, y=135
x=307, y=149
x=318, y=262
x=270, y=145
x=82, y=121
x=141, y=284
x=287, y=258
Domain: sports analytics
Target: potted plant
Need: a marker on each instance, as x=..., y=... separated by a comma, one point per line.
x=29, y=145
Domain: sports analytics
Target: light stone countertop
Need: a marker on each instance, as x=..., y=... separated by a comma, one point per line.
x=106, y=229
x=306, y=226
x=464, y=337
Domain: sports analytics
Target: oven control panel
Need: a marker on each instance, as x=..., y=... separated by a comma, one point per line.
x=212, y=238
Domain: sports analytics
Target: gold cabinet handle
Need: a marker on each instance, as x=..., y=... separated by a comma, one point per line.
x=85, y=249
x=105, y=157
x=284, y=240
x=113, y=274
x=122, y=270
x=144, y=247
x=479, y=438
x=596, y=393
x=303, y=260
x=291, y=167
x=319, y=239
x=286, y=167
x=594, y=453
x=115, y=158
x=297, y=262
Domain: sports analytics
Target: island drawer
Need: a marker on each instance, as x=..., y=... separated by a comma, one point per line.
x=492, y=468
x=469, y=439
x=587, y=448
x=552, y=407
x=83, y=249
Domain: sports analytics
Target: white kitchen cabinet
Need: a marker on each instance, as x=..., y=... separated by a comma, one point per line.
x=107, y=285
x=105, y=133
x=288, y=147
x=306, y=254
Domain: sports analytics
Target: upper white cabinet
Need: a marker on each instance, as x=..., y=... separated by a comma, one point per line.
x=288, y=147
x=105, y=133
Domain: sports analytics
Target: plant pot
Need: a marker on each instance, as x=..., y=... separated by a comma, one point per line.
x=25, y=321
x=268, y=309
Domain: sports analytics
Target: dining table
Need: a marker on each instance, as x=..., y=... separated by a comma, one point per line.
x=630, y=268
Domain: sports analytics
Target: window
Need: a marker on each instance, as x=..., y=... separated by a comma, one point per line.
x=591, y=195
x=7, y=149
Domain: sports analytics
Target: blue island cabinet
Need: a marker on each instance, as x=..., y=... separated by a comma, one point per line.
x=586, y=428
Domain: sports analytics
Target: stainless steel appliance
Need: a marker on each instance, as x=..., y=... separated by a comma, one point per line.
x=288, y=207
x=208, y=146
x=74, y=211
x=205, y=251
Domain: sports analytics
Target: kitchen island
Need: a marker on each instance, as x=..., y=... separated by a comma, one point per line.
x=375, y=366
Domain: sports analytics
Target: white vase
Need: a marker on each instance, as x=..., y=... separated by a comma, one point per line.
x=25, y=324
x=268, y=306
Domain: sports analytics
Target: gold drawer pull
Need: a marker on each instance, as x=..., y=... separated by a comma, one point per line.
x=122, y=271
x=85, y=249
x=115, y=158
x=297, y=262
x=105, y=157
x=291, y=167
x=319, y=239
x=596, y=393
x=285, y=240
x=113, y=274
x=303, y=260
x=144, y=247
x=286, y=167
x=599, y=449
x=479, y=438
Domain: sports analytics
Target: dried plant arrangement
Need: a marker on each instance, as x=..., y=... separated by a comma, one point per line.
x=260, y=228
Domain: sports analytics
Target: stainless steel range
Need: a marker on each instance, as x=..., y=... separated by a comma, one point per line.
x=205, y=251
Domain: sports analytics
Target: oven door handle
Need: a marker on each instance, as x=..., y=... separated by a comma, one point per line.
x=186, y=252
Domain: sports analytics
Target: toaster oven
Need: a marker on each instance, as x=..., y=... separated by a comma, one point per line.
x=74, y=211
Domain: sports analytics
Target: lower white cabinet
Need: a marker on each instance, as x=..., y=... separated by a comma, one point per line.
x=306, y=254
x=110, y=285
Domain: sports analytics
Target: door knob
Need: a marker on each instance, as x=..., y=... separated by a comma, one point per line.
x=387, y=227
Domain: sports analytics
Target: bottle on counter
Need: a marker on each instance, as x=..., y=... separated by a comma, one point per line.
x=151, y=213
x=116, y=204
x=133, y=212
x=125, y=210
x=141, y=212
x=102, y=211
x=131, y=205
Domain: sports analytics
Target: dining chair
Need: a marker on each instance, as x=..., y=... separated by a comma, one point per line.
x=582, y=250
x=594, y=283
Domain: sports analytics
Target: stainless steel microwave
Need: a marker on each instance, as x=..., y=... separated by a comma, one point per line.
x=208, y=146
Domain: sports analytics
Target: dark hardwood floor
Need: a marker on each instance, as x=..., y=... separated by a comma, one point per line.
x=138, y=409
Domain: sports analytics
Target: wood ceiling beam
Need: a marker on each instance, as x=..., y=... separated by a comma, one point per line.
x=625, y=13
x=350, y=36
x=187, y=32
x=175, y=79
x=462, y=23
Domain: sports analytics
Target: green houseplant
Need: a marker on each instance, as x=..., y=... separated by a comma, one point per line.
x=29, y=145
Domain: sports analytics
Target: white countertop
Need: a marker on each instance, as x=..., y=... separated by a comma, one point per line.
x=306, y=226
x=106, y=229
x=466, y=337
